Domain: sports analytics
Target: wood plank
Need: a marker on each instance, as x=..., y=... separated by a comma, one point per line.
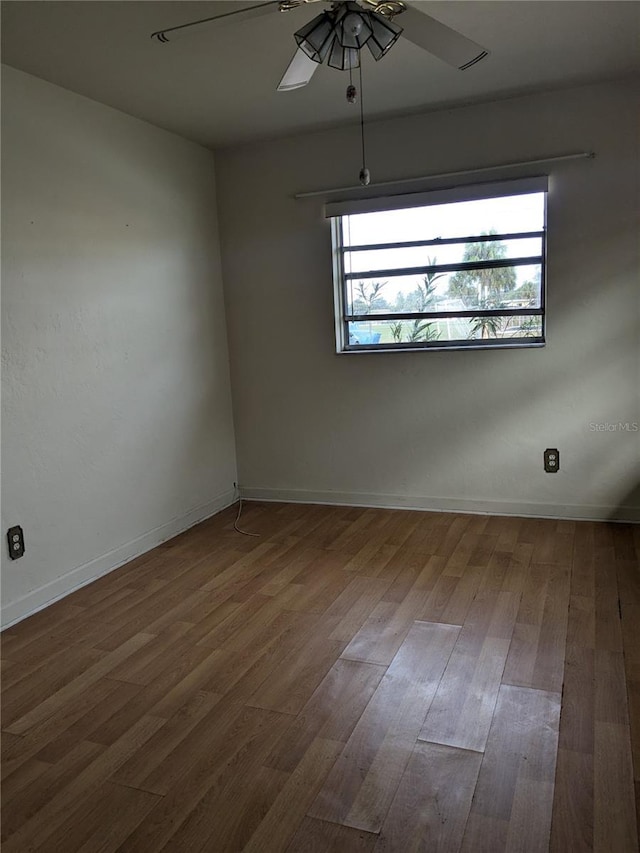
x=471, y=546
x=366, y=525
x=578, y=701
x=454, y=527
x=102, y=821
x=363, y=782
x=301, y=671
x=608, y=621
x=74, y=688
x=48, y=819
x=355, y=605
x=405, y=570
x=48, y=785
x=610, y=688
x=140, y=609
x=379, y=639
x=430, y=810
x=451, y=597
x=403, y=523
x=8, y=743
x=18, y=636
x=228, y=619
x=514, y=796
x=24, y=776
x=506, y=571
x=30, y=657
x=145, y=761
x=462, y=710
x=286, y=568
x=47, y=679
x=238, y=574
x=239, y=674
x=317, y=593
x=198, y=571
x=614, y=825
x=623, y=542
x=554, y=546
x=147, y=662
x=319, y=836
x=330, y=714
x=506, y=529
x=103, y=700
x=581, y=623
x=633, y=696
x=536, y=654
x=231, y=811
x=217, y=756
x=482, y=550
x=279, y=825
x=228, y=670
x=628, y=577
x=373, y=557
x=44, y=740
x=572, y=823
x=132, y=702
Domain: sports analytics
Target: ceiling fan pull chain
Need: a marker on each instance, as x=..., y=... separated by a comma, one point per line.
x=365, y=174
x=352, y=92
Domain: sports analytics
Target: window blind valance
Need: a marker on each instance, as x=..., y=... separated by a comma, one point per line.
x=519, y=186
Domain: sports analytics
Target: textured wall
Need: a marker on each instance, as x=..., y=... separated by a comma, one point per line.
x=117, y=429
x=440, y=429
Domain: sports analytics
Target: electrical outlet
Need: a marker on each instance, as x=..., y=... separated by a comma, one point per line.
x=551, y=460
x=15, y=538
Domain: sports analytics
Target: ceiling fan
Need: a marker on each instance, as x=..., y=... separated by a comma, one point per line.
x=338, y=34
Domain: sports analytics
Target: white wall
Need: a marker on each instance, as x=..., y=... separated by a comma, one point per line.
x=117, y=429
x=463, y=430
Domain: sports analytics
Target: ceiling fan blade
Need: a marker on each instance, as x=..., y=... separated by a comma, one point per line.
x=299, y=72
x=436, y=38
x=173, y=33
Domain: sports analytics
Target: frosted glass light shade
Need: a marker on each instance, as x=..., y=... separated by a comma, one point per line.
x=340, y=34
x=316, y=37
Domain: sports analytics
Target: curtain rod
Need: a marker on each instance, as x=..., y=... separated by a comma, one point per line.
x=580, y=155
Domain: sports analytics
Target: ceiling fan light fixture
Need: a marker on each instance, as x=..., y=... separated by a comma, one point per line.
x=317, y=37
x=384, y=34
x=353, y=29
x=343, y=58
x=340, y=34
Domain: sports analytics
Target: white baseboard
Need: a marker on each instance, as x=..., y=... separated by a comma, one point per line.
x=38, y=599
x=414, y=502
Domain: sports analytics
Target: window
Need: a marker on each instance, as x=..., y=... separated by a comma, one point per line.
x=449, y=269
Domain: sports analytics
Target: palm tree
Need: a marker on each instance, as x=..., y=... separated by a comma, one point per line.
x=477, y=286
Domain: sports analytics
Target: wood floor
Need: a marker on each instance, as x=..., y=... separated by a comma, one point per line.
x=350, y=680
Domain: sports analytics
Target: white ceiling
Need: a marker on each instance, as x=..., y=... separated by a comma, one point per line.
x=217, y=86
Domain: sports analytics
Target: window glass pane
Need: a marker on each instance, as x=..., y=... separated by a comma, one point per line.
x=460, y=329
x=382, y=259
x=504, y=287
x=504, y=215
x=377, y=281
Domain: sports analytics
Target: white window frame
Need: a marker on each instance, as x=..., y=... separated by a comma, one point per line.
x=335, y=210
